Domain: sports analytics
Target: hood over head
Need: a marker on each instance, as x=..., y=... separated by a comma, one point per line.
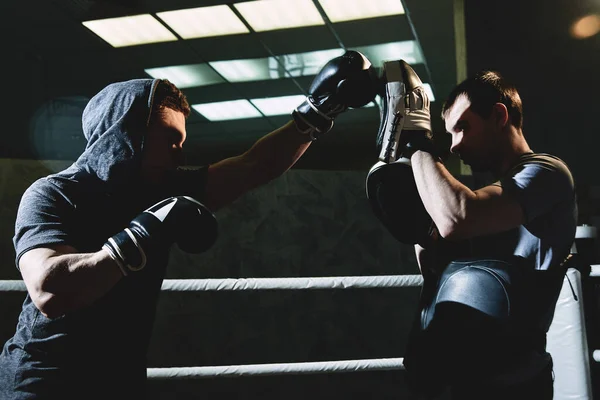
x=114, y=123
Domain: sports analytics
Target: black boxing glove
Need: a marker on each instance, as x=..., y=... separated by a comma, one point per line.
x=182, y=220
x=345, y=81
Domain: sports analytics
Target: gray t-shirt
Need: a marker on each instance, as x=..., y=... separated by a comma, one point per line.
x=98, y=351
x=544, y=187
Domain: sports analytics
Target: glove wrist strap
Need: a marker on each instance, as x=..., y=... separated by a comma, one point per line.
x=126, y=250
x=310, y=120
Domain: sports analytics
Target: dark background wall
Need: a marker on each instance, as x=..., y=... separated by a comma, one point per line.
x=556, y=74
x=316, y=222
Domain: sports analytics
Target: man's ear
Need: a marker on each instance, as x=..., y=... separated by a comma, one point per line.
x=500, y=114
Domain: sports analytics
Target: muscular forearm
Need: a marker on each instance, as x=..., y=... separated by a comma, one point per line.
x=444, y=197
x=73, y=281
x=268, y=158
x=278, y=151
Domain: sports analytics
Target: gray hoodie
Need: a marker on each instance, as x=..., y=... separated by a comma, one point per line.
x=98, y=351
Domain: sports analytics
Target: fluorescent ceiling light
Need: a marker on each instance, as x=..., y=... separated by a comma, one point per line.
x=254, y=69
x=227, y=110
x=278, y=105
x=129, y=31
x=304, y=64
x=348, y=10
x=284, y=66
x=268, y=15
x=239, y=109
x=379, y=53
x=185, y=76
x=203, y=22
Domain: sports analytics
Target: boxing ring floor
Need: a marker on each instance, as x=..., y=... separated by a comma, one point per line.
x=567, y=337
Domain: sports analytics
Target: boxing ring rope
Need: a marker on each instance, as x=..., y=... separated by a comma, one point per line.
x=595, y=271
x=251, y=284
x=334, y=282
x=308, y=283
x=379, y=364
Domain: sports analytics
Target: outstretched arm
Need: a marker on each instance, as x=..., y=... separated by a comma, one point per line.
x=268, y=158
x=345, y=81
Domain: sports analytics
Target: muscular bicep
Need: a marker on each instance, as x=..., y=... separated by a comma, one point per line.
x=490, y=210
x=35, y=265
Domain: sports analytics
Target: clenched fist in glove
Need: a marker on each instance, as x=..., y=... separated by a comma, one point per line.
x=181, y=220
x=345, y=81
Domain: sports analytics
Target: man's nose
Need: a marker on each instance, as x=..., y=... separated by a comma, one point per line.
x=456, y=142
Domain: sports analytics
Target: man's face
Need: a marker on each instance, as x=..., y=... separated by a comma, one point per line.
x=473, y=138
x=163, y=144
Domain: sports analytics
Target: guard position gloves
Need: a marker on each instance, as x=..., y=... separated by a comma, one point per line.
x=181, y=220
x=345, y=81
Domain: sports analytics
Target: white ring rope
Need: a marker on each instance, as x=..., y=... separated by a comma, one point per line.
x=339, y=282
x=12, y=286
x=379, y=364
x=595, y=271
x=334, y=282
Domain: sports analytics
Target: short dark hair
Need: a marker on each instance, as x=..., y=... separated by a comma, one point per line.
x=484, y=89
x=167, y=95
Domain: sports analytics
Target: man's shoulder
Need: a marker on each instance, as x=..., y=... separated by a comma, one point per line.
x=544, y=160
x=41, y=187
x=539, y=171
x=51, y=188
x=539, y=164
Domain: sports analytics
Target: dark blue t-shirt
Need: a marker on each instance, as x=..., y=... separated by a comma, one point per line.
x=98, y=351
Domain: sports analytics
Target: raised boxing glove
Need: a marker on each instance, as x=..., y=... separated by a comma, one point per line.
x=345, y=81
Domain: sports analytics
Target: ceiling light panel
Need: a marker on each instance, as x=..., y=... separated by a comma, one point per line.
x=254, y=69
x=204, y=22
x=304, y=64
x=186, y=76
x=268, y=15
x=130, y=31
x=349, y=10
x=284, y=66
x=227, y=110
x=278, y=105
x=405, y=50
